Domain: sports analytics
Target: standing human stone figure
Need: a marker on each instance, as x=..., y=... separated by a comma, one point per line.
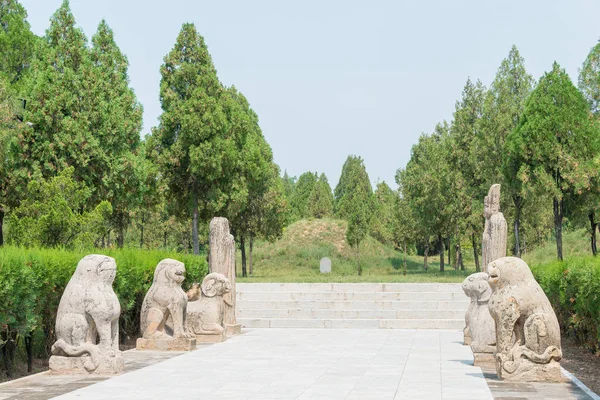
x=165, y=302
x=496, y=230
x=221, y=259
x=527, y=331
x=88, y=310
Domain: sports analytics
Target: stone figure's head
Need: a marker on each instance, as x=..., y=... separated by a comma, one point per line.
x=508, y=271
x=476, y=286
x=491, y=202
x=97, y=267
x=169, y=270
x=215, y=284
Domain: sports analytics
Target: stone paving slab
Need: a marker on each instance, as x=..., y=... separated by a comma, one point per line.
x=310, y=364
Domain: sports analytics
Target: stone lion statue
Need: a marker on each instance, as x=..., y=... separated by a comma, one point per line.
x=87, y=322
x=165, y=301
x=206, y=310
x=479, y=321
x=527, y=330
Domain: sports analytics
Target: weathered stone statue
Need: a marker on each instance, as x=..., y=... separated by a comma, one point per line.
x=206, y=308
x=221, y=259
x=467, y=330
x=527, y=331
x=480, y=323
x=165, y=301
x=495, y=232
x=87, y=322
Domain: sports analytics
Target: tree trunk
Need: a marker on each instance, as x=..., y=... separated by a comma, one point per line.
x=195, y=242
x=441, y=252
x=448, y=247
x=250, y=271
x=518, y=201
x=459, y=259
x=142, y=232
x=243, y=248
x=1, y=227
x=558, y=219
x=120, y=236
x=426, y=254
x=358, y=259
x=594, y=226
x=29, y=349
x=108, y=238
x=404, y=272
x=475, y=253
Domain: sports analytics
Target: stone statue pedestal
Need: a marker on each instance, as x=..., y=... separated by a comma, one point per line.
x=211, y=338
x=60, y=365
x=467, y=339
x=484, y=360
x=532, y=372
x=233, y=330
x=175, y=344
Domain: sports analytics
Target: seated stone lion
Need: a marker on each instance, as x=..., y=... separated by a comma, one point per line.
x=205, y=316
x=165, y=301
x=479, y=321
x=89, y=310
x=527, y=330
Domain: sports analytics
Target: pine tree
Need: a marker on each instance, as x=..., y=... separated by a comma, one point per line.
x=302, y=191
x=555, y=144
x=17, y=42
x=320, y=202
x=589, y=79
x=382, y=226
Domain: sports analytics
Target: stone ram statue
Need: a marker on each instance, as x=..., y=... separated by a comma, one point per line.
x=206, y=308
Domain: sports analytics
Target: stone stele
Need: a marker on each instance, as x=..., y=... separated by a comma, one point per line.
x=325, y=265
x=165, y=302
x=87, y=322
x=221, y=259
x=495, y=233
x=206, y=309
x=480, y=323
x=527, y=331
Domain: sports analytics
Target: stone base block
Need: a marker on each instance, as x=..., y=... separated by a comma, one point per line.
x=179, y=344
x=60, y=365
x=211, y=338
x=467, y=340
x=233, y=329
x=532, y=372
x=484, y=360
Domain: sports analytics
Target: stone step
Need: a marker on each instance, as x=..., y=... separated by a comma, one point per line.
x=348, y=314
x=309, y=323
x=373, y=296
x=461, y=304
x=349, y=287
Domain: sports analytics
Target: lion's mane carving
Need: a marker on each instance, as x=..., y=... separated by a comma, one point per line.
x=89, y=310
x=523, y=314
x=205, y=316
x=165, y=301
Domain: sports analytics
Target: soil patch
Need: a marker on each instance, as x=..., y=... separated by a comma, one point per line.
x=582, y=363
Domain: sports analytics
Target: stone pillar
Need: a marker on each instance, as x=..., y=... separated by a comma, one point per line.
x=496, y=230
x=221, y=259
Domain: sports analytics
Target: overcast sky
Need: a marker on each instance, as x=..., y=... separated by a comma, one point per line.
x=333, y=78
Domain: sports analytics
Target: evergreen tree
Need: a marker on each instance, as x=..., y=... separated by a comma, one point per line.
x=9, y=126
x=17, y=42
x=320, y=202
x=200, y=136
x=357, y=205
x=589, y=79
x=555, y=144
x=302, y=191
x=384, y=214
x=351, y=164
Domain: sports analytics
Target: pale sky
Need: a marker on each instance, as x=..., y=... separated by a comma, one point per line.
x=333, y=78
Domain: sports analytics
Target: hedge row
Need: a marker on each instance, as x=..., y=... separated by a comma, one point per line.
x=573, y=287
x=32, y=282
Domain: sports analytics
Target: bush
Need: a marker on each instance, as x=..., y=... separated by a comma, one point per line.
x=32, y=282
x=573, y=288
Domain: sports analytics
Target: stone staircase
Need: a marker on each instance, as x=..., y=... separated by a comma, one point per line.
x=351, y=305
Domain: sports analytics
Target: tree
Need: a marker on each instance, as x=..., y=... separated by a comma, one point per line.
x=555, y=143
x=302, y=191
x=384, y=213
x=320, y=201
x=17, y=42
x=200, y=135
x=589, y=79
x=357, y=204
x=502, y=109
x=9, y=125
x=404, y=227
x=115, y=118
x=351, y=165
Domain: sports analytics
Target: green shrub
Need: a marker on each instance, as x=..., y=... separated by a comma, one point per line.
x=573, y=288
x=32, y=282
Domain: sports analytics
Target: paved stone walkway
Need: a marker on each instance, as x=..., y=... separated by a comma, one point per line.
x=309, y=364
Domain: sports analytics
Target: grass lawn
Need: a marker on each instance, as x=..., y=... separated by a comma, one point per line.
x=296, y=256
